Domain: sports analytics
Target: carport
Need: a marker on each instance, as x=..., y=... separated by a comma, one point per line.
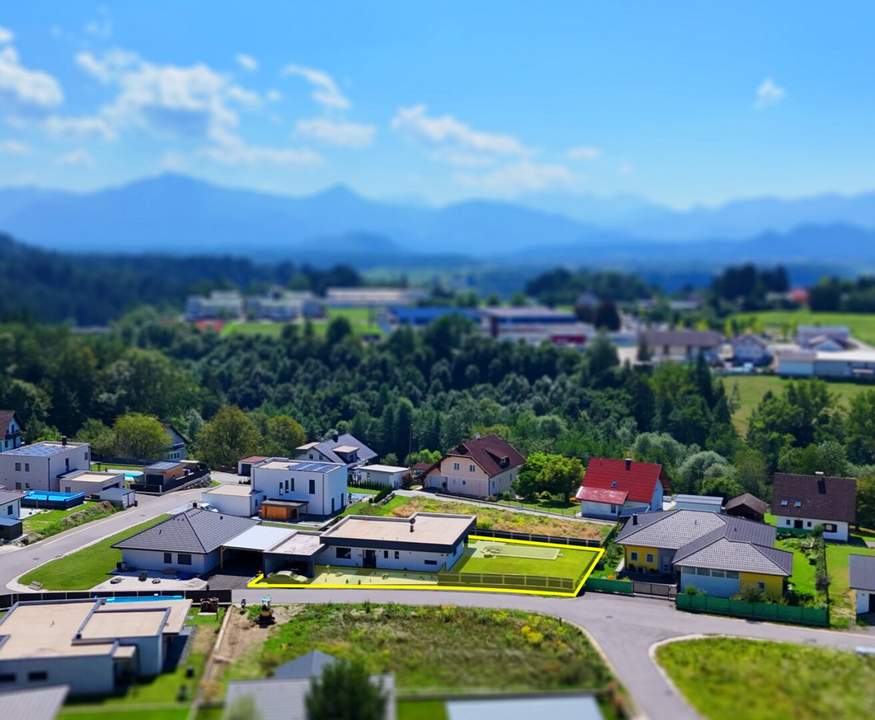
x=246, y=550
x=297, y=553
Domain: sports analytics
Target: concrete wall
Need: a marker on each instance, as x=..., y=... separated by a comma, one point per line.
x=330, y=487
x=150, y=654
x=840, y=534
x=153, y=560
x=86, y=675
x=239, y=505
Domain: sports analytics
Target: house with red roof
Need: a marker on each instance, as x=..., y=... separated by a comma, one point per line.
x=613, y=488
x=483, y=467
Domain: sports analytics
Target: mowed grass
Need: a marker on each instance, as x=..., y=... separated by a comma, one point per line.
x=246, y=327
x=421, y=710
x=785, y=322
x=84, y=568
x=437, y=649
x=554, y=506
x=803, y=570
x=842, y=609
x=488, y=518
x=363, y=321
x=752, y=388
x=571, y=563
x=730, y=679
x=51, y=522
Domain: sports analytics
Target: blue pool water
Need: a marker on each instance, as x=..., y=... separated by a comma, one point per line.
x=151, y=598
x=43, y=496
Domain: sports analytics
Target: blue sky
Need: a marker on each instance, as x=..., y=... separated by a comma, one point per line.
x=683, y=102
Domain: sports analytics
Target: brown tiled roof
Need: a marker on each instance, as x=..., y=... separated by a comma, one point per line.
x=6, y=418
x=817, y=497
x=747, y=500
x=492, y=453
x=682, y=336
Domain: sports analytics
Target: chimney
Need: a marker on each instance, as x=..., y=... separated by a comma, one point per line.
x=194, y=504
x=819, y=472
x=635, y=519
x=821, y=486
x=628, y=462
x=412, y=522
x=335, y=436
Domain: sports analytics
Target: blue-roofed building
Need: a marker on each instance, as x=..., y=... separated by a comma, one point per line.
x=294, y=488
x=419, y=317
x=41, y=466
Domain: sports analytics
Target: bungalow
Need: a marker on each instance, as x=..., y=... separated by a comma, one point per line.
x=187, y=543
x=862, y=582
x=239, y=500
x=715, y=553
x=91, y=482
x=10, y=431
x=10, y=514
x=802, y=502
x=340, y=448
x=482, y=467
x=747, y=506
x=617, y=488
x=750, y=349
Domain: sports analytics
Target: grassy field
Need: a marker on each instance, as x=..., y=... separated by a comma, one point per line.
x=437, y=649
x=52, y=522
x=553, y=506
x=751, y=389
x=569, y=563
x=803, y=571
x=84, y=568
x=784, y=323
x=728, y=679
x=363, y=321
x=842, y=613
x=421, y=710
x=487, y=518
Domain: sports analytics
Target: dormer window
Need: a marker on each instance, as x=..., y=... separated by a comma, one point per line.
x=613, y=483
x=785, y=503
x=798, y=503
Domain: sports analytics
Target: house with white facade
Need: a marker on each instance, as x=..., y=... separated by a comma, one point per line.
x=91, y=482
x=41, y=466
x=861, y=570
x=680, y=344
x=750, y=349
x=10, y=514
x=10, y=431
x=482, y=467
x=802, y=502
x=613, y=488
x=239, y=500
x=391, y=476
x=280, y=305
x=313, y=487
x=218, y=305
x=339, y=448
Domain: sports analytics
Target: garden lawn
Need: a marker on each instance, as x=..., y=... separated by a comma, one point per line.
x=488, y=518
x=842, y=611
x=803, y=571
x=421, y=710
x=437, y=649
x=571, y=562
x=554, y=506
x=52, y=522
x=244, y=327
x=84, y=568
x=730, y=679
x=785, y=322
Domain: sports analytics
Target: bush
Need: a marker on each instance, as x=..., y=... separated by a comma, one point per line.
x=382, y=495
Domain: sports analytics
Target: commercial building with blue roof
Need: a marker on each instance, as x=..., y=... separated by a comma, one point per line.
x=397, y=316
x=41, y=466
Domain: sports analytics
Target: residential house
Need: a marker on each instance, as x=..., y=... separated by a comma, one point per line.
x=802, y=502
x=719, y=554
x=239, y=500
x=245, y=465
x=218, y=305
x=41, y=465
x=372, y=297
x=92, y=646
x=703, y=503
x=91, y=482
x=167, y=475
x=10, y=431
x=749, y=349
x=177, y=445
x=282, y=697
x=10, y=514
x=482, y=467
x=535, y=325
x=188, y=542
x=861, y=570
x=613, y=488
x=810, y=335
x=680, y=344
x=339, y=448
x=292, y=488
x=390, y=476
x=747, y=506
x=281, y=305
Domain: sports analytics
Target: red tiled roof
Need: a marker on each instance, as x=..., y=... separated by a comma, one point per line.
x=639, y=480
x=6, y=418
x=601, y=495
x=253, y=459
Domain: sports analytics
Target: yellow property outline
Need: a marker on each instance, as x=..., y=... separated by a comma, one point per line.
x=257, y=584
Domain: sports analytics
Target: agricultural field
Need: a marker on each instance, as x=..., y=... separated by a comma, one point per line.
x=785, y=322
x=488, y=518
x=730, y=679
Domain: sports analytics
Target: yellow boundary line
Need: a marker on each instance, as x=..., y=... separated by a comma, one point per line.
x=257, y=582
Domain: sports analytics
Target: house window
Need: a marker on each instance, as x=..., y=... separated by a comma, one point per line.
x=168, y=558
x=18, y=485
x=17, y=467
x=798, y=503
x=703, y=571
x=650, y=557
x=26, y=467
x=787, y=521
x=397, y=554
x=761, y=585
x=183, y=558
x=455, y=466
x=784, y=503
x=470, y=468
x=808, y=523
x=281, y=487
x=431, y=562
x=732, y=574
x=385, y=554
x=342, y=553
x=634, y=556
x=312, y=487
x=830, y=527
x=287, y=485
x=718, y=573
x=7, y=678
x=37, y=676
x=9, y=509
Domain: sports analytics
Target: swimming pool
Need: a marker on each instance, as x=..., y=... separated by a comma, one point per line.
x=149, y=598
x=54, y=500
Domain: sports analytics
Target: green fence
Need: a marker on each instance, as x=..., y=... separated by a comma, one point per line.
x=818, y=616
x=515, y=582
x=609, y=586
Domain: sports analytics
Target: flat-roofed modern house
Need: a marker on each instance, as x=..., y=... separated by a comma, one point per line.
x=41, y=465
x=245, y=465
x=292, y=488
x=481, y=467
x=167, y=475
x=88, y=645
x=680, y=344
x=188, y=542
x=391, y=476
x=10, y=431
x=425, y=542
x=802, y=502
x=10, y=514
x=718, y=554
x=91, y=482
x=417, y=318
x=861, y=569
x=613, y=488
x=340, y=448
x=239, y=500
x=535, y=325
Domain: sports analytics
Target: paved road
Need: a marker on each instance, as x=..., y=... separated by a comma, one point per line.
x=16, y=562
x=625, y=628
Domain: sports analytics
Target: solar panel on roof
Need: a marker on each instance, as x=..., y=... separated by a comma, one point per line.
x=38, y=450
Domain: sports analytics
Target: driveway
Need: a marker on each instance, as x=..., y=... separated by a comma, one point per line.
x=625, y=628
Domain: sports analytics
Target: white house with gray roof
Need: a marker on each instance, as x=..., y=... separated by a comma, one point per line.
x=861, y=570
x=189, y=542
x=340, y=448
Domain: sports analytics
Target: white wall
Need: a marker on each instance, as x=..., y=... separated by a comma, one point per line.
x=154, y=560
x=86, y=675
x=716, y=586
x=465, y=481
x=329, y=486
x=14, y=512
x=23, y=472
x=239, y=505
x=13, y=442
x=863, y=601
x=841, y=533
x=406, y=560
x=597, y=509
x=150, y=654
x=387, y=479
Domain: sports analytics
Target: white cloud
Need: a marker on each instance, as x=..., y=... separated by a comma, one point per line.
x=233, y=151
x=325, y=90
x=626, y=169
x=520, y=177
x=273, y=95
x=82, y=126
x=584, y=152
x=332, y=132
x=247, y=62
x=6, y=35
x=461, y=158
x=173, y=161
x=13, y=147
x=769, y=93
x=28, y=87
x=100, y=27
x=76, y=158
x=415, y=122
x=109, y=66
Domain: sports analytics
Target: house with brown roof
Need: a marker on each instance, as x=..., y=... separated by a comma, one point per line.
x=747, y=506
x=482, y=467
x=680, y=344
x=802, y=502
x=10, y=431
x=613, y=488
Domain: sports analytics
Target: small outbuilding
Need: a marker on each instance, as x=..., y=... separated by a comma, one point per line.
x=91, y=482
x=747, y=506
x=391, y=476
x=121, y=497
x=702, y=503
x=862, y=582
x=239, y=500
x=245, y=465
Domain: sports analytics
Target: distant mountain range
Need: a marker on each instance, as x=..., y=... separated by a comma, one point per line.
x=179, y=214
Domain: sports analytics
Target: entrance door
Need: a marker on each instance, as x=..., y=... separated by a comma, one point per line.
x=370, y=559
x=797, y=524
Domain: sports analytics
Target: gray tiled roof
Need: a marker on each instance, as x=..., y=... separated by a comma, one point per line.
x=33, y=703
x=723, y=554
x=670, y=530
x=862, y=572
x=7, y=496
x=193, y=531
x=326, y=447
